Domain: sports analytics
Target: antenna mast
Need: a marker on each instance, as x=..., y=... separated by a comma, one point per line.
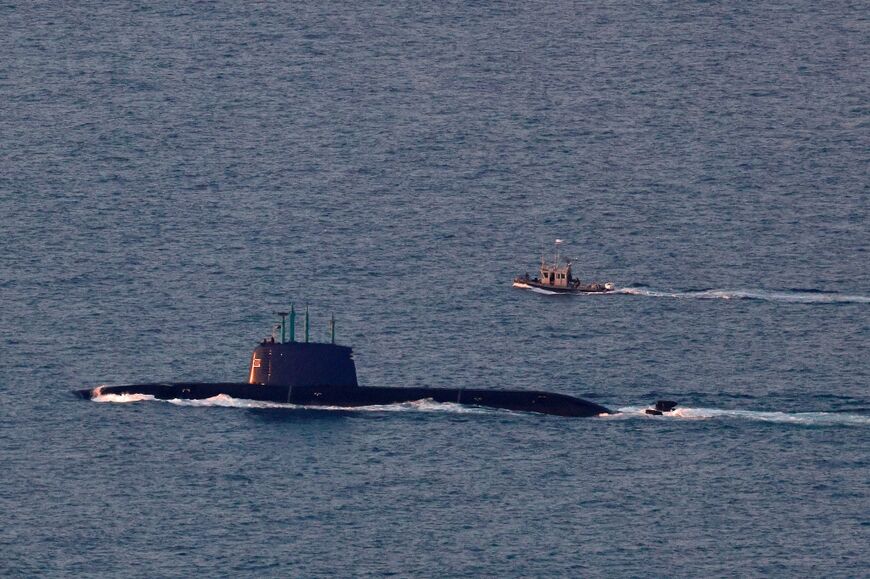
x=332, y=329
x=283, y=325
x=306, y=324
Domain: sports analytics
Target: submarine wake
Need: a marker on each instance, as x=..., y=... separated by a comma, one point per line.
x=798, y=418
x=789, y=296
x=224, y=401
x=428, y=405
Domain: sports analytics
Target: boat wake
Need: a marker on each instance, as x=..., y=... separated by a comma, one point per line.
x=799, y=418
x=786, y=296
x=789, y=296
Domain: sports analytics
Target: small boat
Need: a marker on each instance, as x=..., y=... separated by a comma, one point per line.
x=556, y=276
x=661, y=407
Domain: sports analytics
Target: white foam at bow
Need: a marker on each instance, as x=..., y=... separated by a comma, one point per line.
x=122, y=398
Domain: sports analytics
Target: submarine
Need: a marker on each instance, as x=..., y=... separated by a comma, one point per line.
x=308, y=373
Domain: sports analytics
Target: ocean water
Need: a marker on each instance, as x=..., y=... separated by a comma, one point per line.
x=172, y=174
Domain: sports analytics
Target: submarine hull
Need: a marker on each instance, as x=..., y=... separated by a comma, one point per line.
x=354, y=396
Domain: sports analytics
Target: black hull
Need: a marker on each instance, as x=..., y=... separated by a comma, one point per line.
x=349, y=397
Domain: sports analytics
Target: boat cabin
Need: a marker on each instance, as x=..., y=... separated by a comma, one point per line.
x=556, y=275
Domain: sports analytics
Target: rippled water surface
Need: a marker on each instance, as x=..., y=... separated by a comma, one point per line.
x=170, y=175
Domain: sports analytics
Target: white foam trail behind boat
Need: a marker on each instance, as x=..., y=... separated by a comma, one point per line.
x=801, y=297
x=801, y=418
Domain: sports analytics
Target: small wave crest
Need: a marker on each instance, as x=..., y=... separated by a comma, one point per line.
x=793, y=296
x=801, y=418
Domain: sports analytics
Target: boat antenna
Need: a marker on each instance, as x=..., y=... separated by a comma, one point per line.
x=558, y=243
x=332, y=329
x=283, y=324
x=306, y=324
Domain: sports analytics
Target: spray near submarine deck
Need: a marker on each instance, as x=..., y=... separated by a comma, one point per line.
x=310, y=373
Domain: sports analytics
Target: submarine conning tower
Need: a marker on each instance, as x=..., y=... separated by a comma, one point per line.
x=283, y=362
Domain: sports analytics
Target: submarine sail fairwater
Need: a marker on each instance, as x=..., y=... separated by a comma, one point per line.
x=324, y=374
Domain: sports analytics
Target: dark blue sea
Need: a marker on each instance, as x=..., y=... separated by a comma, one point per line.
x=173, y=173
